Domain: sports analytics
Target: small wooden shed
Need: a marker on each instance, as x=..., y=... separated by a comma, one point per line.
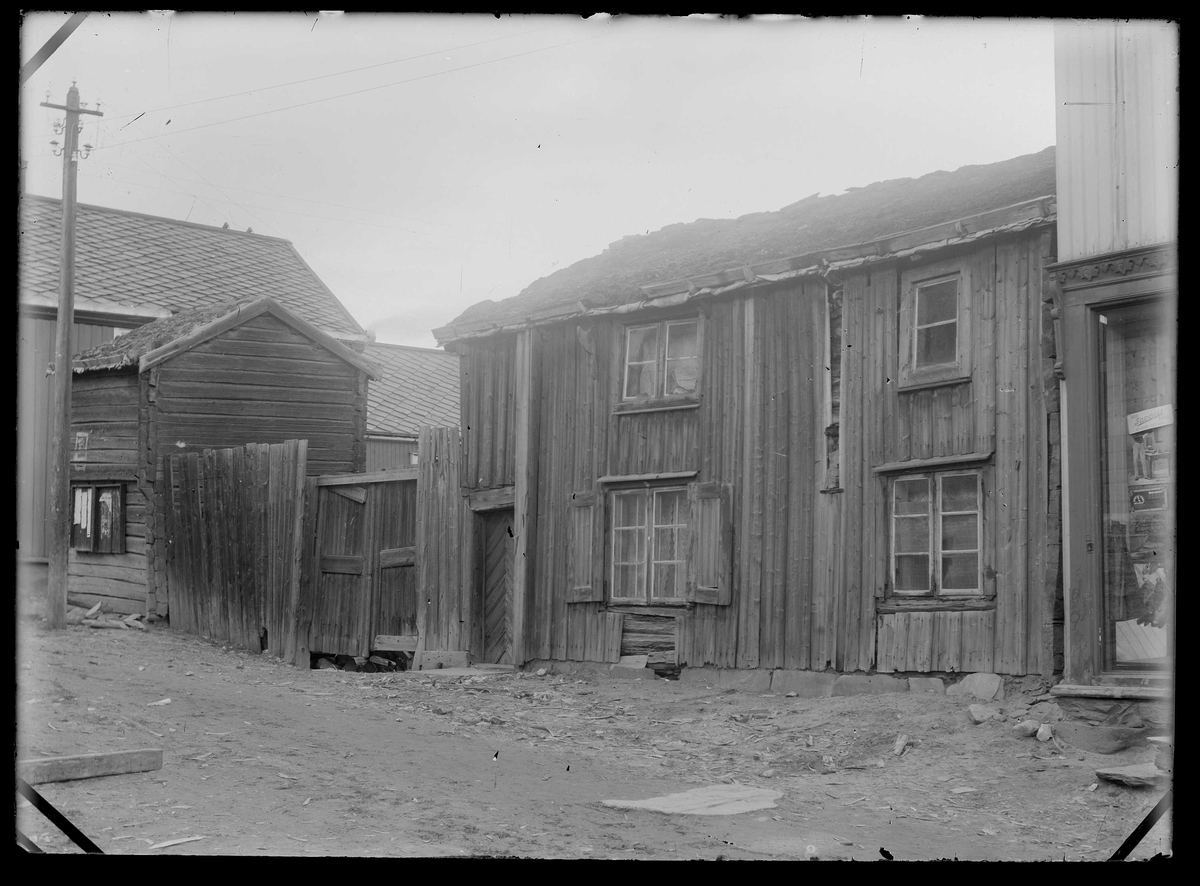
x=242, y=372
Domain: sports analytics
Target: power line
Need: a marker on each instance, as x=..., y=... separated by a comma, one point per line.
x=355, y=92
x=338, y=74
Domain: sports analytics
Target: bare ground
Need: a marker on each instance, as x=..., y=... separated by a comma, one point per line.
x=264, y=758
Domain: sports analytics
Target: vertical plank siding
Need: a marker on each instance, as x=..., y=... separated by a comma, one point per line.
x=233, y=559
x=810, y=565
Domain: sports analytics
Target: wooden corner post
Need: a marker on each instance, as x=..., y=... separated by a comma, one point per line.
x=527, y=414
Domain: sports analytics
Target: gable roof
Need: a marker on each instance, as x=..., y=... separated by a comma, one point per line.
x=416, y=386
x=624, y=273
x=159, y=264
x=163, y=339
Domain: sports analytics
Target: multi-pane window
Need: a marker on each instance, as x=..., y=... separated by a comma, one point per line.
x=662, y=360
x=936, y=330
x=649, y=544
x=98, y=519
x=935, y=325
x=937, y=533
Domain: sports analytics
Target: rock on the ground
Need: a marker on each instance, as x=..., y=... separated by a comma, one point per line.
x=1098, y=739
x=1140, y=775
x=982, y=686
x=927, y=684
x=803, y=684
x=873, y=684
x=1046, y=712
x=1027, y=728
x=981, y=713
x=1045, y=732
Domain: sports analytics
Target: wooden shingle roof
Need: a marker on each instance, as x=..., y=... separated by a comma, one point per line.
x=416, y=386
x=623, y=273
x=131, y=259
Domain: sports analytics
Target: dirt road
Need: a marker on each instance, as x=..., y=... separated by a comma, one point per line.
x=263, y=758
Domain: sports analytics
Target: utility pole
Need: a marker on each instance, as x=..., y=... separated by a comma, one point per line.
x=60, y=446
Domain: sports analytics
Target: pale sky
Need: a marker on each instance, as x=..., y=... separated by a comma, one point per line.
x=427, y=162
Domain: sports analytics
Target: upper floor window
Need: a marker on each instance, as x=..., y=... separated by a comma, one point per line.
x=662, y=360
x=935, y=327
x=937, y=533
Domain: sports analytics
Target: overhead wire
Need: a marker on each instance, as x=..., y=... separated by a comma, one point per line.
x=261, y=89
x=354, y=92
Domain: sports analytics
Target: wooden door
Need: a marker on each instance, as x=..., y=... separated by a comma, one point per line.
x=342, y=605
x=394, y=625
x=496, y=555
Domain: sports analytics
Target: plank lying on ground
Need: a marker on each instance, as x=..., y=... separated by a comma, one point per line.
x=51, y=769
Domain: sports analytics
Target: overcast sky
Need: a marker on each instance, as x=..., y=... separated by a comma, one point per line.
x=423, y=163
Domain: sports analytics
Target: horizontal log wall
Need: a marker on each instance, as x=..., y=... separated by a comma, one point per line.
x=104, y=413
x=35, y=415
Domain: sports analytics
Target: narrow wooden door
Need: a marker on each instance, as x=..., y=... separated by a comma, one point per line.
x=496, y=540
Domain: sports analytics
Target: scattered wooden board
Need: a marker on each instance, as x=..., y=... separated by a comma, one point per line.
x=52, y=769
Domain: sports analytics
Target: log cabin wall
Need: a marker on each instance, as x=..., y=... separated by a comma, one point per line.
x=259, y=382
x=104, y=416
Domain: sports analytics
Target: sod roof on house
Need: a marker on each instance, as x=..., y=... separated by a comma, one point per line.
x=417, y=386
x=810, y=225
x=131, y=259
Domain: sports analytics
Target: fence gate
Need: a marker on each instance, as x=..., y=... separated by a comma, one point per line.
x=365, y=594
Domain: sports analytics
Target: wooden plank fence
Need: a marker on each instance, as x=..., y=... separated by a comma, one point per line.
x=233, y=544
x=261, y=556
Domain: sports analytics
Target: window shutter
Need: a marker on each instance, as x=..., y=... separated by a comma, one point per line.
x=710, y=564
x=587, y=545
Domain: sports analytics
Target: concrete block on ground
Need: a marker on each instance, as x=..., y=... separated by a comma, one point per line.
x=806, y=684
x=982, y=686
x=745, y=680
x=868, y=684
x=927, y=684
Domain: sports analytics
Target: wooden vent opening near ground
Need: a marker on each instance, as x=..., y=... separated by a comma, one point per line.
x=649, y=635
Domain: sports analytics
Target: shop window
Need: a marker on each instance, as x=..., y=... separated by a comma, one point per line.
x=98, y=518
x=666, y=545
x=1138, y=451
x=662, y=360
x=935, y=327
x=937, y=534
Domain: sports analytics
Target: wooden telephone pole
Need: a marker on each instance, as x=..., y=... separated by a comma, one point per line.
x=60, y=444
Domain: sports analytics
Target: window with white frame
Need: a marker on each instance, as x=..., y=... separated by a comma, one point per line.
x=662, y=360
x=937, y=533
x=649, y=544
x=935, y=324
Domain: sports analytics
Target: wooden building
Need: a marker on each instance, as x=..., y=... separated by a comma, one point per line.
x=1117, y=90
x=807, y=439
x=132, y=269
x=416, y=386
x=206, y=378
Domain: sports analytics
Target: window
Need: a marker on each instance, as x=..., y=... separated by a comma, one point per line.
x=937, y=533
x=98, y=518
x=649, y=544
x=935, y=328
x=662, y=360
x=654, y=545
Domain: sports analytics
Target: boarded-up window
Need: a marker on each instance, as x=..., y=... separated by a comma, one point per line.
x=98, y=518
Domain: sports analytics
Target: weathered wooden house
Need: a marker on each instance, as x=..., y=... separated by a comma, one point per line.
x=205, y=378
x=1117, y=90
x=416, y=386
x=132, y=269
x=807, y=439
